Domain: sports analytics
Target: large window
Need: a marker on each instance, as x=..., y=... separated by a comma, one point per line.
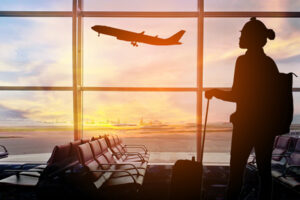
x=59, y=81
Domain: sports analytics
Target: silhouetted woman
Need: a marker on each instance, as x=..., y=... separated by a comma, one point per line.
x=251, y=90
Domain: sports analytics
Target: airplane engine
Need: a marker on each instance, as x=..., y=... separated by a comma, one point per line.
x=134, y=43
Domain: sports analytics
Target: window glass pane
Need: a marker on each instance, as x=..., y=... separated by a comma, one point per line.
x=36, y=51
x=219, y=131
x=112, y=62
x=296, y=119
x=221, y=48
x=251, y=5
x=164, y=118
x=34, y=122
x=141, y=5
x=36, y=5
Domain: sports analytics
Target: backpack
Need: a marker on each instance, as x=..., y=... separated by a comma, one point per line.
x=283, y=107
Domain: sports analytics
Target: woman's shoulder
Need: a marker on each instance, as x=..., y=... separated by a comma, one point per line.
x=241, y=58
x=269, y=59
x=271, y=63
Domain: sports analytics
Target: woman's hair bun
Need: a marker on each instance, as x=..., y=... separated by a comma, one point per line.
x=270, y=34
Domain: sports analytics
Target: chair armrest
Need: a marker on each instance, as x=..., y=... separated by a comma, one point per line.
x=140, y=155
x=280, y=155
x=286, y=171
x=4, y=148
x=116, y=171
x=136, y=146
x=289, y=175
x=253, y=161
x=134, y=153
x=289, y=168
x=110, y=164
x=293, y=166
x=25, y=164
x=21, y=170
x=18, y=171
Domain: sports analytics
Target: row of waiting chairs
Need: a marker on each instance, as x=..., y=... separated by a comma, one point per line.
x=96, y=166
x=285, y=162
x=126, y=172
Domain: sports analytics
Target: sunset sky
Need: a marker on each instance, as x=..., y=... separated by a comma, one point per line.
x=38, y=52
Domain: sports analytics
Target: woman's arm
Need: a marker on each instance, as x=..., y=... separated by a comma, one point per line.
x=225, y=95
x=220, y=94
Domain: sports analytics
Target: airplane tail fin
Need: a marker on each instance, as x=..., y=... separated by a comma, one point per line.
x=177, y=36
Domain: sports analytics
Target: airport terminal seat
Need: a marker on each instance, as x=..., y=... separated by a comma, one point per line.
x=95, y=138
x=59, y=160
x=85, y=140
x=285, y=162
x=91, y=159
x=290, y=175
x=112, y=159
x=144, y=151
x=100, y=177
x=109, y=163
x=122, y=154
x=281, y=150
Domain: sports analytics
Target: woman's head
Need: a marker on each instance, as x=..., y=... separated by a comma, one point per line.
x=254, y=34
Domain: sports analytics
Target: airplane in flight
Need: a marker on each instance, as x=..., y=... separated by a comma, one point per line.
x=134, y=37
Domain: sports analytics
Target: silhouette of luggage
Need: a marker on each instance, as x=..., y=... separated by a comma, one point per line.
x=283, y=109
x=186, y=178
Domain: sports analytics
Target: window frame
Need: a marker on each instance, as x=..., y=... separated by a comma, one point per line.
x=78, y=14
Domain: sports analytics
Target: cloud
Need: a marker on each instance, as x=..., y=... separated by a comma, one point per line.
x=35, y=49
x=39, y=106
x=9, y=114
x=36, y=5
x=130, y=107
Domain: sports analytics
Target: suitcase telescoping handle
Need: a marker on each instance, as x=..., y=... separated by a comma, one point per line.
x=204, y=133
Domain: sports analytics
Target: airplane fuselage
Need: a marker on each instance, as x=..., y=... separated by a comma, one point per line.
x=133, y=37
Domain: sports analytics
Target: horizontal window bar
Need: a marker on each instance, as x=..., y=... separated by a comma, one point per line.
x=145, y=14
x=188, y=14
x=35, y=13
x=209, y=88
x=116, y=89
x=227, y=89
x=32, y=88
x=139, y=89
x=252, y=14
x=137, y=14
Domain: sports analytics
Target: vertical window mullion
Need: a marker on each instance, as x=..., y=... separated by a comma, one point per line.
x=199, y=77
x=74, y=71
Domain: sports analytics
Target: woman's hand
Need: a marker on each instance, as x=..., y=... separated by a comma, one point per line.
x=210, y=93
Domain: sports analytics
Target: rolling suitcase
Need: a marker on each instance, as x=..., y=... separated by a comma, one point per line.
x=186, y=180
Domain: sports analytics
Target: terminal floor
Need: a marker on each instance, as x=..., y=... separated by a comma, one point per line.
x=158, y=178
x=157, y=185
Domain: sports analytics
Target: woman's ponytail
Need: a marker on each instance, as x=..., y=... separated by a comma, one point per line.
x=270, y=34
